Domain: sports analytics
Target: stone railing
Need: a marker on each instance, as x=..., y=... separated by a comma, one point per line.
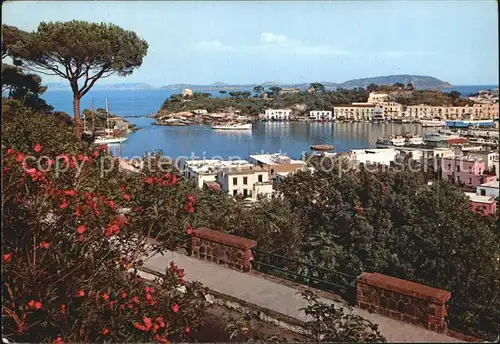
x=403, y=300
x=229, y=250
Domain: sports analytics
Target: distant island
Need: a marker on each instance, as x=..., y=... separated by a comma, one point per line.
x=419, y=81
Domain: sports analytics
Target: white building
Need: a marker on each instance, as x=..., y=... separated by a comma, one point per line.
x=375, y=97
x=382, y=156
x=204, y=171
x=391, y=109
x=276, y=163
x=249, y=182
x=320, y=115
x=278, y=114
x=356, y=111
x=200, y=111
x=488, y=189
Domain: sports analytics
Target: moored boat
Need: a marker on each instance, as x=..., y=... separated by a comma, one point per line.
x=390, y=141
x=322, y=147
x=439, y=137
x=433, y=123
x=413, y=139
x=469, y=123
x=233, y=126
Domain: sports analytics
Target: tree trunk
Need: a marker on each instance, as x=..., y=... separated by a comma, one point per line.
x=77, y=118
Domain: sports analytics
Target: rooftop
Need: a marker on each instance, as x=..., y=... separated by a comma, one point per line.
x=479, y=199
x=243, y=169
x=211, y=166
x=275, y=159
x=492, y=184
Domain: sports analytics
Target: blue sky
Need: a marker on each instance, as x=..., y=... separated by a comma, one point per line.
x=256, y=41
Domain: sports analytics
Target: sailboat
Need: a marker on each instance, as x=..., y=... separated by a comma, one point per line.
x=108, y=138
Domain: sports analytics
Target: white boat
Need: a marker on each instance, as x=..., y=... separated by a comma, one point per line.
x=433, y=123
x=108, y=138
x=390, y=141
x=482, y=141
x=411, y=139
x=439, y=137
x=233, y=126
x=104, y=140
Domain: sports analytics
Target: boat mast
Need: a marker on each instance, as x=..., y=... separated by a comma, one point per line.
x=107, y=115
x=93, y=116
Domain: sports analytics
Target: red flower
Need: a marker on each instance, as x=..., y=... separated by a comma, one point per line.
x=174, y=180
x=111, y=204
x=63, y=309
x=103, y=147
x=160, y=322
x=81, y=229
x=64, y=204
x=58, y=341
x=105, y=296
x=140, y=327
x=37, y=148
x=7, y=257
x=147, y=322
x=149, y=289
x=189, y=229
x=95, y=154
x=191, y=199
x=44, y=244
x=10, y=151
x=122, y=188
x=80, y=293
x=70, y=192
x=135, y=299
x=161, y=339
x=149, y=297
x=35, y=304
x=112, y=229
x=148, y=180
x=124, y=295
x=126, y=197
x=20, y=157
x=105, y=331
x=187, y=330
x=80, y=157
x=175, y=308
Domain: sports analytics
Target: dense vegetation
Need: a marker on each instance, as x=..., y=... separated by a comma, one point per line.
x=303, y=102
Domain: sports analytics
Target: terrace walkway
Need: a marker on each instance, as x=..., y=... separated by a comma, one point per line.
x=254, y=289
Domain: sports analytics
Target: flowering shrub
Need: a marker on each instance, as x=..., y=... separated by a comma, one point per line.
x=70, y=241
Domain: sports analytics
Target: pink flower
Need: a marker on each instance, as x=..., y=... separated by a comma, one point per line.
x=81, y=229
x=44, y=244
x=189, y=229
x=126, y=197
x=7, y=257
x=175, y=308
x=37, y=148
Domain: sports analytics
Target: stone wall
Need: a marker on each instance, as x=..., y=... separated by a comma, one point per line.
x=403, y=300
x=221, y=248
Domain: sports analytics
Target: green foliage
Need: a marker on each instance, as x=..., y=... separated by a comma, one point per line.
x=25, y=87
x=80, y=52
x=67, y=253
x=392, y=222
x=328, y=324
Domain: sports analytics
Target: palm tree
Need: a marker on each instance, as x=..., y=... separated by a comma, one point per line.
x=258, y=90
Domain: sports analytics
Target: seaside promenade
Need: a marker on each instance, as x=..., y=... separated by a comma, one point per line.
x=253, y=288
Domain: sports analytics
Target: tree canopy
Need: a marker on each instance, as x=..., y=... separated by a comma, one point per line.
x=80, y=52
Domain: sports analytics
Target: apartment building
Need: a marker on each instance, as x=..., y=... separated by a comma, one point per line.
x=277, y=114
x=249, y=182
x=356, y=112
x=203, y=172
x=465, y=171
x=320, y=115
x=477, y=111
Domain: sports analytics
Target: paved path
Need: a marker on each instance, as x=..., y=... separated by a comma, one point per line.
x=271, y=295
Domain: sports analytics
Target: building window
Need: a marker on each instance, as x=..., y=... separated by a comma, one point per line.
x=260, y=178
x=245, y=193
x=458, y=168
x=470, y=180
x=272, y=171
x=449, y=167
x=480, y=171
x=235, y=181
x=245, y=180
x=483, y=192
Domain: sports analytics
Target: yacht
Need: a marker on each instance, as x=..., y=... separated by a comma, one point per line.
x=411, y=139
x=439, y=137
x=435, y=122
x=233, y=126
x=483, y=141
x=390, y=141
x=108, y=137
